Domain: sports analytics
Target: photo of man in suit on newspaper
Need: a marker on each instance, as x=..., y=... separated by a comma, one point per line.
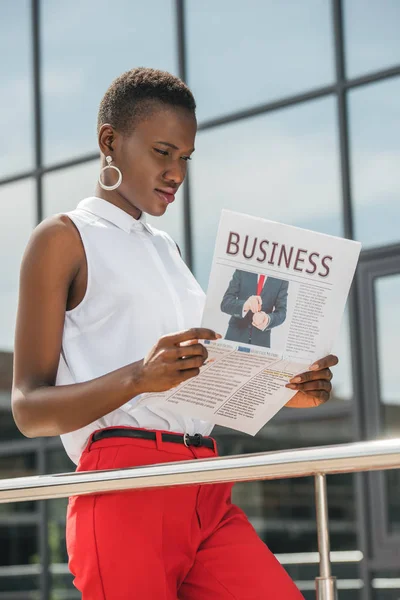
x=256, y=303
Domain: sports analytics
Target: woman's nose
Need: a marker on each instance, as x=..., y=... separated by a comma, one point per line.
x=175, y=173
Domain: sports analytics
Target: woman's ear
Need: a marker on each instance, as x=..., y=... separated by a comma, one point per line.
x=106, y=138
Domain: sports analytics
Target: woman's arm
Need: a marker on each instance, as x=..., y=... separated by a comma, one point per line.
x=52, y=260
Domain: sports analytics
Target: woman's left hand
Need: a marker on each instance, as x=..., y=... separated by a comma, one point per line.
x=314, y=386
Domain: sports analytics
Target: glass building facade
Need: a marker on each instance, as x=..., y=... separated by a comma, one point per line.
x=299, y=121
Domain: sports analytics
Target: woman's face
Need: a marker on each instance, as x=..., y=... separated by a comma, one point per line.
x=153, y=160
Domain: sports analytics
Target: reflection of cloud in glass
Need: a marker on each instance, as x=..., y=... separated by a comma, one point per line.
x=387, y=290
x=17, y=218
x=375, y=158
x=84, y=50
x=244, y=53
x=16, y=88
x=281, y=166
x=371, y=35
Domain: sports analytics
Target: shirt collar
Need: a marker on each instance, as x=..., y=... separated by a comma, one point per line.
x=104, y=209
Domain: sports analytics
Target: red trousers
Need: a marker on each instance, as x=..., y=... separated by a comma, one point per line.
x=186, y=543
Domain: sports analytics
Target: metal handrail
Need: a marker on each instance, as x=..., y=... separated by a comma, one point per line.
x=318, y=461
x=303, y=462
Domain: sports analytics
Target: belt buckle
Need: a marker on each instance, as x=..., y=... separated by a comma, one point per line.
x=198, y=440
x=192, y=440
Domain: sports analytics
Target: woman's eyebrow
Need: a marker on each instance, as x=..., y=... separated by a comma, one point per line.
x=171, y=145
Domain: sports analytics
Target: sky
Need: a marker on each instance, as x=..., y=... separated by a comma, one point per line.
x=283, y=165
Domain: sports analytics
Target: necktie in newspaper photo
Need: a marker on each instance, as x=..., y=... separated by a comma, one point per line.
x=260, y=284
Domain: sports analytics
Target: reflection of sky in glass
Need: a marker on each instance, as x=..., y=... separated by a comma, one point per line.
x=84, y=48
x=387, y=295
x=375, y=161
x=371, y=35
x=282, y=166
x=17, y=218
x=64, y=189
x=244, y=53
x=342, y=379
x=16, y=88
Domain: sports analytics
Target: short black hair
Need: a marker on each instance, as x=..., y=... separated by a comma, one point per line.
x=133, y=95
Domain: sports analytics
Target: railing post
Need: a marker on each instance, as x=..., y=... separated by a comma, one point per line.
x=325, y=584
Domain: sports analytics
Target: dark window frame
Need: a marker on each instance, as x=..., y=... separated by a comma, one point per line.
x=385, y=546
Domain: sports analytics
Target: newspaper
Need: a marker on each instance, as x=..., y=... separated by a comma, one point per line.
x=277, y=295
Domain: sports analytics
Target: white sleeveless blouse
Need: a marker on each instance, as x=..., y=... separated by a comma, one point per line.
x=138, y=289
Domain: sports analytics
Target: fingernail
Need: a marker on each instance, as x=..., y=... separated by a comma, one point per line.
x=291, y=386
x=314, y=367
x=295, y=380
x=218, y=336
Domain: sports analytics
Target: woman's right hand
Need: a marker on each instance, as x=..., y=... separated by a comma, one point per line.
x=174, y=359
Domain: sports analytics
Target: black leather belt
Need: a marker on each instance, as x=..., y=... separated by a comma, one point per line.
x=196, y=440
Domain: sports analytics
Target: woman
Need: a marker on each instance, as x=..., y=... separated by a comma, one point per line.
x=102, y=294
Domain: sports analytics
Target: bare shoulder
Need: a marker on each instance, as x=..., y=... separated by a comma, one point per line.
x=56, y=230
x=55, y=240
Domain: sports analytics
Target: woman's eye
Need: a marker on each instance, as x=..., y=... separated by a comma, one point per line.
x=186, y=158
x=162, y=152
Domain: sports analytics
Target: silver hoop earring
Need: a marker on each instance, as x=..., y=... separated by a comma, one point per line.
x=110, y=166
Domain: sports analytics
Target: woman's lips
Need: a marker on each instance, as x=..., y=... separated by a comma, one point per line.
x=167, y=196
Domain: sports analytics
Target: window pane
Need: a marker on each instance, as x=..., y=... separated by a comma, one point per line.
x=17, y=465
x=19, y=551
x=387, y=294
x=84, y=49
x=16, y=87
x=64, y=189
x=283, y=514
x=61, y=578
x=393, y=496
x=58, y=462
x=242, y=54
x=375, y=157
x=20, y=582
x=283, y=511
x=342, y=377
x=17, y=219
x=386, y=585
x=371, y=35
x=8, y=428
x=281, y=166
